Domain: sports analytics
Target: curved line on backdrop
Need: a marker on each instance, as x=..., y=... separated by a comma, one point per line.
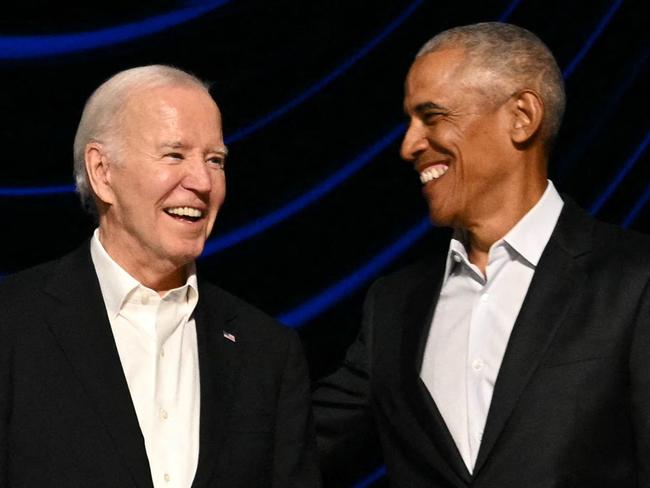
x=634, y=213
x=261, y=224
x=261, y=122
x=567, y=160
x=36, y=46
x=568, y=71
x=376, y=475
x=620, y=176
x=336, y=292
x=510, y=8
x=36, y=191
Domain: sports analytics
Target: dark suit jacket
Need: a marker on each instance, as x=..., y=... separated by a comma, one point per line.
x=571, y=404
x=66, y=415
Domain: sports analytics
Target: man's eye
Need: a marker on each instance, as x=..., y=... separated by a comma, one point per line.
x=174, y=155
x=431, y=117
x=218, y=162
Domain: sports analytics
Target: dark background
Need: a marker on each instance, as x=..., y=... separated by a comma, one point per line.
x=335, y=69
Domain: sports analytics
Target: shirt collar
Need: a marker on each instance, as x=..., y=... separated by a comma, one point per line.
x=117, y=285
x=528, y=237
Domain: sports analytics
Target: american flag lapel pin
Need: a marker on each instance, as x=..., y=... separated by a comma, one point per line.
x=229, y=336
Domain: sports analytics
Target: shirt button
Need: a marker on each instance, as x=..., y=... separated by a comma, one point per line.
x=162, y=353
x=163, y=414
x=477, y=364
x=167, y=477
x=457, y=258
x=485, y=297
x=144, y=299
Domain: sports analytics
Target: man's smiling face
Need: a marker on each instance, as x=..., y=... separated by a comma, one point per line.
x=457, y=138
x=167, y=182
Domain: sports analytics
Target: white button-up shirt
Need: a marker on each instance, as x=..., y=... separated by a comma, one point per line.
x=473, y=320
x=156, y=342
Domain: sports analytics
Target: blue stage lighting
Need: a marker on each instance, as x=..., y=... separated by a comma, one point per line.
x=22, y=47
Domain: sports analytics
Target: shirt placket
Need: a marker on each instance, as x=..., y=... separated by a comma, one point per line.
x=482, y=367
x=168, y=358
x=475, y=369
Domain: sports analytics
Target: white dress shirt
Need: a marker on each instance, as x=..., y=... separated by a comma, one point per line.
x=156, y=342
x=473, y=320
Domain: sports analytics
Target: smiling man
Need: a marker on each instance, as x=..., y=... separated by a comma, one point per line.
x=118, y=366
x=516, y=356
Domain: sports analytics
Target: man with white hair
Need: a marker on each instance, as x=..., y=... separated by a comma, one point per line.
x=516, y=356
x=119, y=367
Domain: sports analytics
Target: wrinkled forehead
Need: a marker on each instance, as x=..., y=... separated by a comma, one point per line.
x=175, y=99
x=443, y=65
x=177, y=107
x=445, y=76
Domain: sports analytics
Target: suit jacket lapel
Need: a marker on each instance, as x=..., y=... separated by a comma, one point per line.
x=419, y=313
x=218, y=368
x=77, y=317
x=555, y=284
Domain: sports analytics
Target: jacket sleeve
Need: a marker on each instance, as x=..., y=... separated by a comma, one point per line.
x=345, y=425
x=295, y=461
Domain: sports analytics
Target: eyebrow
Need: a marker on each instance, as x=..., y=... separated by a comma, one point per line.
x=223, y=150
x=424, y=107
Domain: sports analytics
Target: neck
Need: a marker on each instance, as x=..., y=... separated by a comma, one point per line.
x=159, y=275
x=484, y=231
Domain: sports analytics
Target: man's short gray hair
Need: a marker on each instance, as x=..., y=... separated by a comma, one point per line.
x=101, y=115
x=515, y=57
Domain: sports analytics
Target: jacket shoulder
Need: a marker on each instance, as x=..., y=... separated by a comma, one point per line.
x=25, y=283
x=626, y=243
x=606, y=245
x=251, y=322
x=619, y=251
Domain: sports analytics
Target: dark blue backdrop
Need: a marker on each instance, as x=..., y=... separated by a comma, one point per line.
x=311, y=92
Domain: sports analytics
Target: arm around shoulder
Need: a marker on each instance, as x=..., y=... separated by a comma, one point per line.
x=344, y=422
x=295, y=461
x=640, y=387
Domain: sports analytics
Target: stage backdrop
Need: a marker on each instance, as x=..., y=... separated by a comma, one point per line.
x=319, y=203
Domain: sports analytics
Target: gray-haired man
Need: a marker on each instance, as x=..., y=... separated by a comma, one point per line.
x=516, y=356
x=118, y=366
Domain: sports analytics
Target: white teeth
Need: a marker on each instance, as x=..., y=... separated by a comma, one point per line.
x=433, y=173
x=185, y=211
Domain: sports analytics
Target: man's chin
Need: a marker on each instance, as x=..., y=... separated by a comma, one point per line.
x=439, y=217
x=185, y=254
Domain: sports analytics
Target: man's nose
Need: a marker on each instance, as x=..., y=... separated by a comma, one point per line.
x=198, y=177
x=414, y=142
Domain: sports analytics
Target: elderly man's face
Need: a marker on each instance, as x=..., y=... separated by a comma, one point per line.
x=456, y=140
x=169, y=182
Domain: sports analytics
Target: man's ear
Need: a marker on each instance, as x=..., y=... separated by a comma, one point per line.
x=528, y=112
x=99, y=172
